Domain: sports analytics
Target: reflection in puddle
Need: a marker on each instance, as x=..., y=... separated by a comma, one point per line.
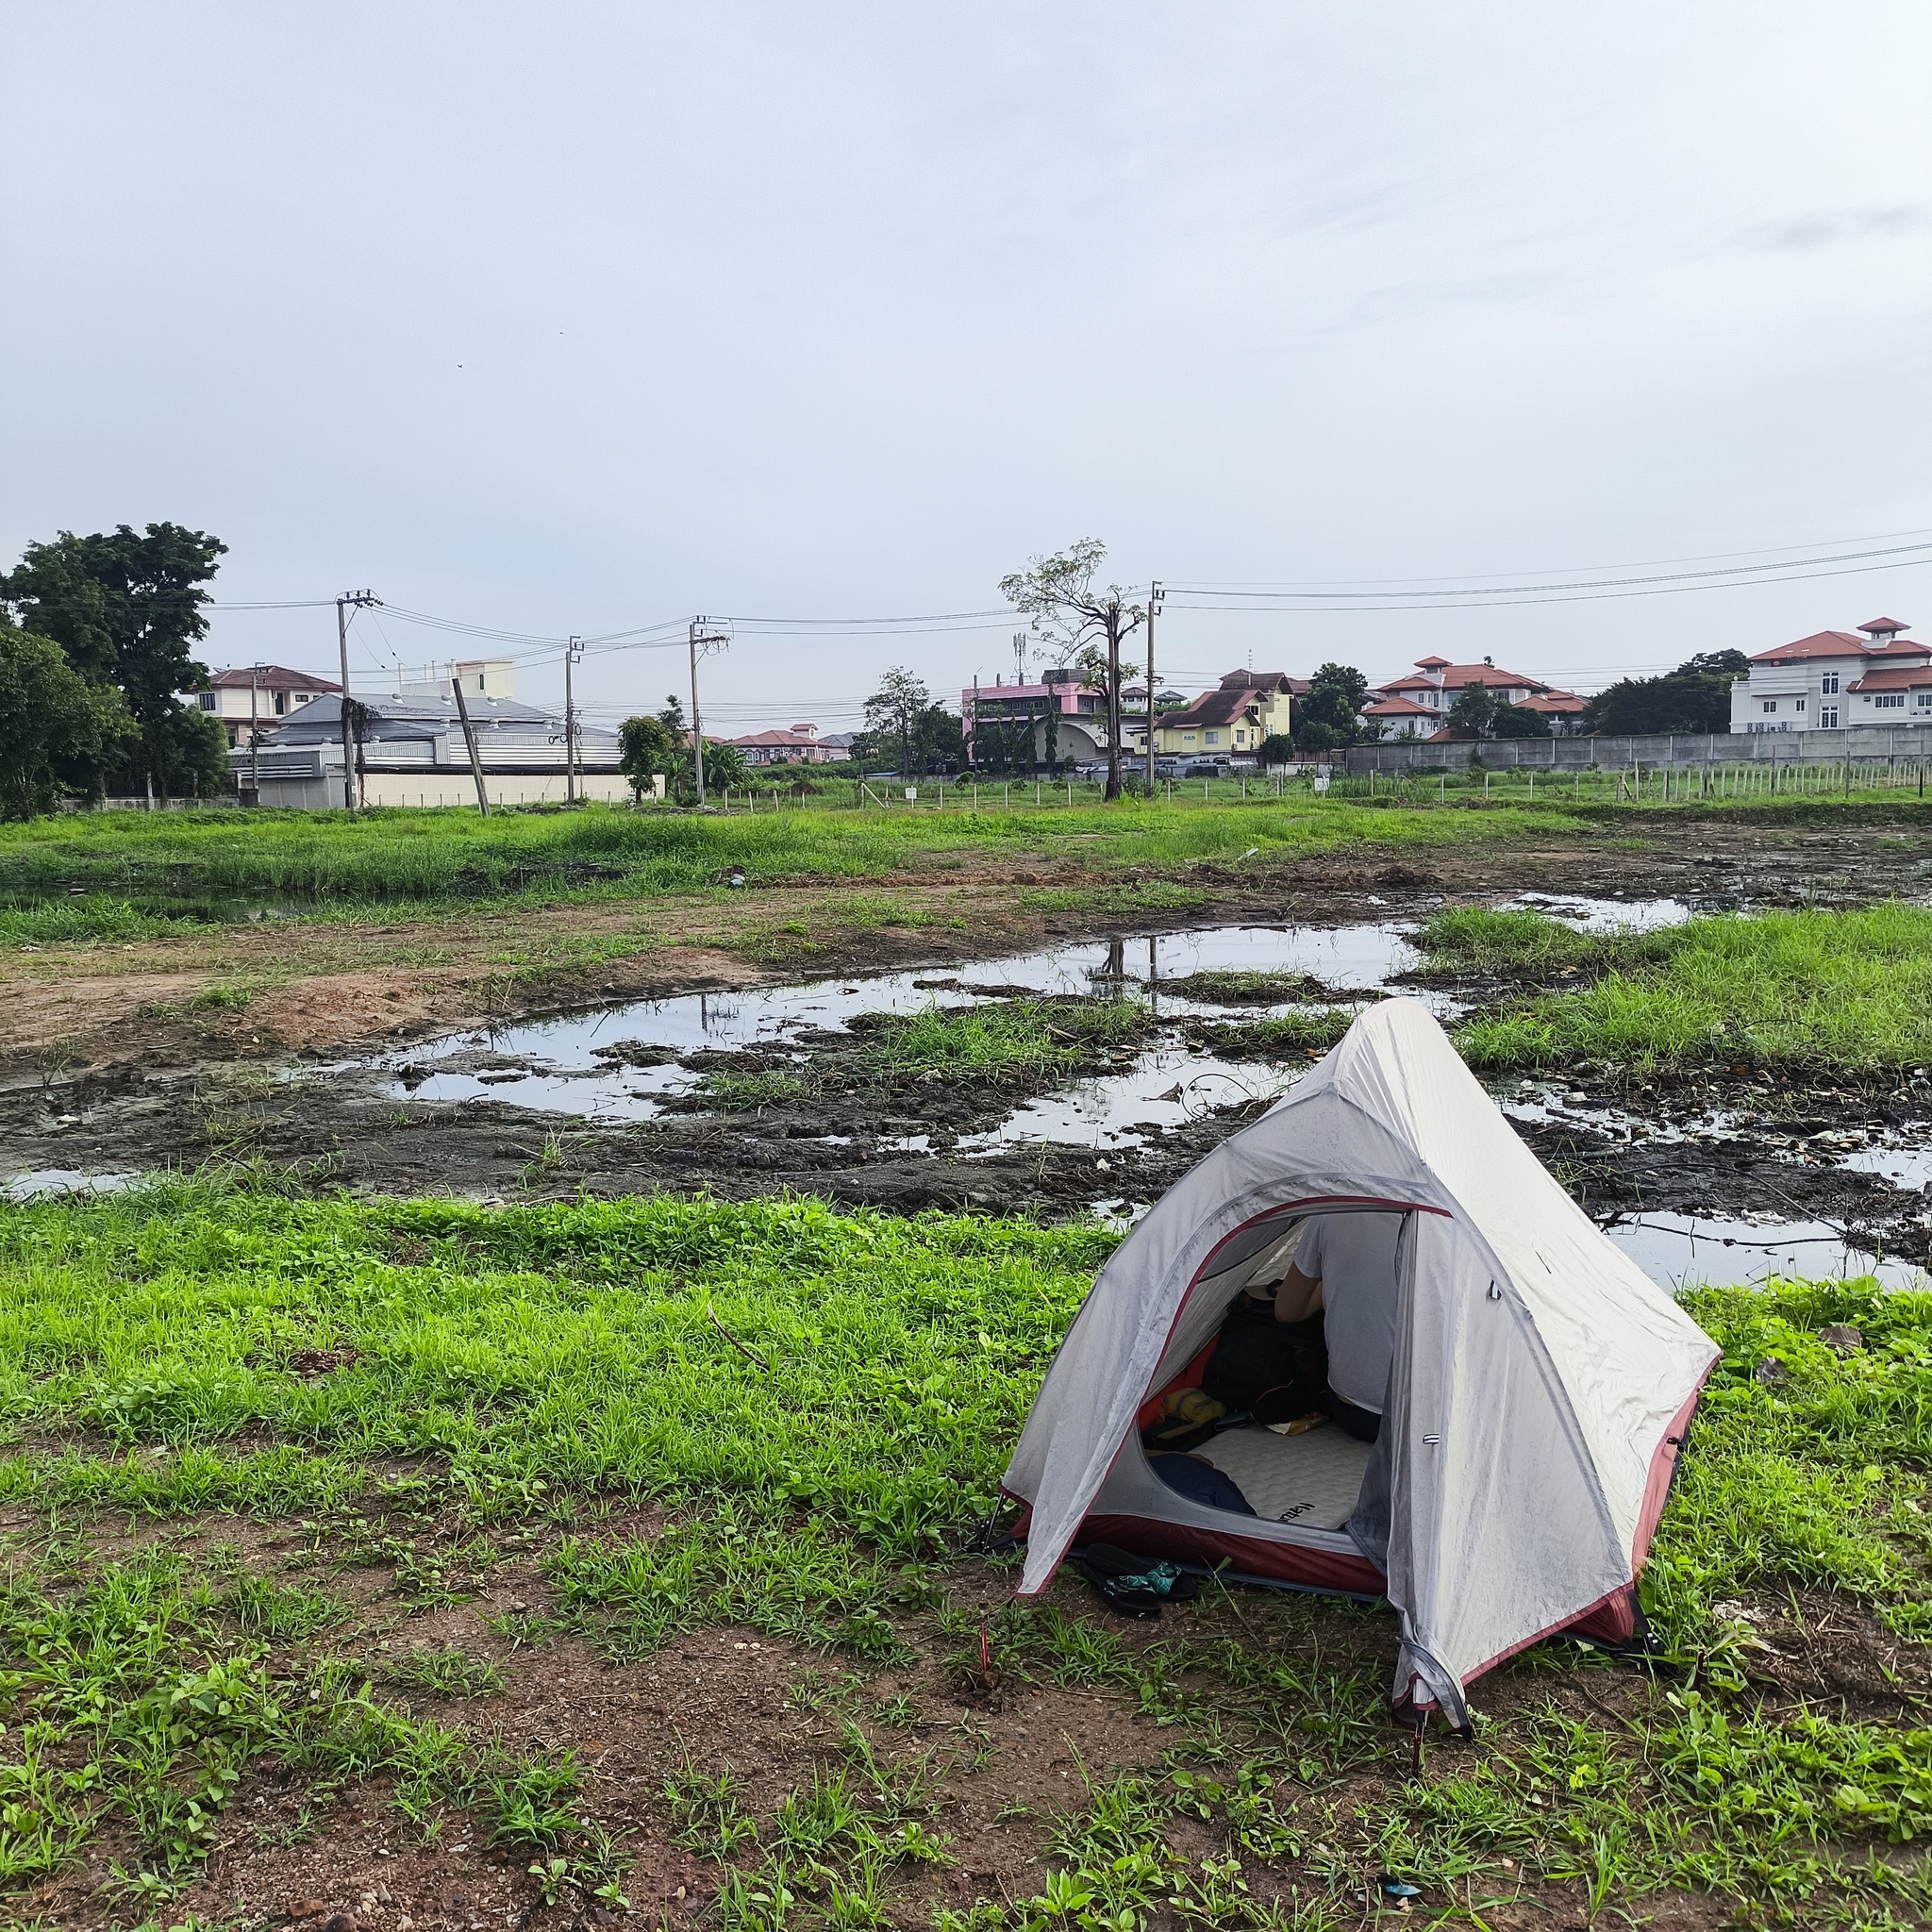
x=1673, y=1248
x=575, y=1063
x=46, y=1181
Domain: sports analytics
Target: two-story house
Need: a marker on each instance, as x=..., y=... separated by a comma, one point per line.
x=1418, y=704
x=1229, y=721
x=1836, y=678
x=257, y=698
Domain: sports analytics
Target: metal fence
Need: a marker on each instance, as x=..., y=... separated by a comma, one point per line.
x=1896, y=746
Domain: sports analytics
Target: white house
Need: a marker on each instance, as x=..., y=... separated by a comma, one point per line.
x=1834, y=678
x=258, y=698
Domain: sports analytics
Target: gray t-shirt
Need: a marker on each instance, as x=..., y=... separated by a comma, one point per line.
x=1353, y=1257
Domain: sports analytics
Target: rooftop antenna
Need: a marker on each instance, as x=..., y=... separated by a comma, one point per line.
x=1018, y=657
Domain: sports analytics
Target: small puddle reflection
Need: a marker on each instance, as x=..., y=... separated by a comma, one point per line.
x=1678, y=1248
x=41, y=1183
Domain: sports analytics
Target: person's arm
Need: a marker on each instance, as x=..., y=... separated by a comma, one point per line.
x=1298, y=1296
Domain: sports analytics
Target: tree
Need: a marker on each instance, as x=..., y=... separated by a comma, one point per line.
x=1086, y=621
x=893, y=713
x=937, y=739
x=55, y=725
x=1330, y=710
x=1696, y=696
x=1278, y=748
x=126, y=609
x=190, y=752
x=724, y=764
x=1513, y=720
x=1475, y=709
x=644, y=746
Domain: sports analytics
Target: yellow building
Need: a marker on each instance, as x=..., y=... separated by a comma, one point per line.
x=1228, y=722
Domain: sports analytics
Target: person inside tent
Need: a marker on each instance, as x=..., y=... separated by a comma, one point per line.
x=1344, y=1264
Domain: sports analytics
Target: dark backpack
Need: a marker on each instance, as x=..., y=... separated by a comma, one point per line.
x=1272, y=1371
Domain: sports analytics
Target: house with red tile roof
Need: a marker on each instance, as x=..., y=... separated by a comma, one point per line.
x=1417, y=703
x=799, y=745
x=1833, y=678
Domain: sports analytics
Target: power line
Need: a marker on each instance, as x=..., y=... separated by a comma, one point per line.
x=1737, y=570
x=1640, y=564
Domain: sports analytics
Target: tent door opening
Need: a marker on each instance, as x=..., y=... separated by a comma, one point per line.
x=1300, y=1480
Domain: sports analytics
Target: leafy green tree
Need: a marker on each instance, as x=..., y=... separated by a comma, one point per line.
x=1475, y=709
x=937, y=739
x=1278, y=748
x=56, y=730
x=190, y=753
x=893, y=713
x=724, y=764
x=1694, y=697
x=1329, y=714
x=1088, y=622
x=645, y=745
x=126, y=609
x=1513, y=720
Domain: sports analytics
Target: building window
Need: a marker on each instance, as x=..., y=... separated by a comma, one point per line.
x=1770, y=705
x=281, y=704
x=1922, y=699
x=1799, y=707
x=205, y=700
x=1828, y=684
x=1210, y=737
x=1889, y=701
x=1827, y=717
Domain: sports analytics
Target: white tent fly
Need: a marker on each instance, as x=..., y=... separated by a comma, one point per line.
x=1538, y=1393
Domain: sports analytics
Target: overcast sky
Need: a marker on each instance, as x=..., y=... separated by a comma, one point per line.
x=588, y=317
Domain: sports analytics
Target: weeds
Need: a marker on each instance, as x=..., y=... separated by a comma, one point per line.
x=1845, y=992
x=535, y=1361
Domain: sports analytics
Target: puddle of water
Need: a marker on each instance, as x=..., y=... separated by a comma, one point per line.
x=1166, y=1088
x=43, y=1182
x=571, y=1064
x=1675, y=1248
x=564, y=1073
x=1606, y=915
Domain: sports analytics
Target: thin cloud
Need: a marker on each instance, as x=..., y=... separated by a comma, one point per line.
x=1830, y=228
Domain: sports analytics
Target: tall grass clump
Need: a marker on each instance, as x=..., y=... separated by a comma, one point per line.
x=1515, y=939
x=1840, y=993
x=1008, y=1040
x=71, y=921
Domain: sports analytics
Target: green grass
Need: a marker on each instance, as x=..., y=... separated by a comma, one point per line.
x=1005, y=1040
x=220, y=864
x=516, y=1371
x=724, y=1092
x=1841, y=991
x=73, y=922
x=1517, y=939
x=1292, y=1036
x=1235, y=986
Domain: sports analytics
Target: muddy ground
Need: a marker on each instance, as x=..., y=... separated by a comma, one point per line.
x=175, y=1088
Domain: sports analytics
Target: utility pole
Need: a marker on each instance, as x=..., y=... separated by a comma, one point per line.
x=573, y=655
x=356, y=600
x=706, y=634
x=254, y=734
x=456, y=684
x=1154, y=595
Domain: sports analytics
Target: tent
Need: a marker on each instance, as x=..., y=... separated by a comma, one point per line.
x=1539, y=1390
